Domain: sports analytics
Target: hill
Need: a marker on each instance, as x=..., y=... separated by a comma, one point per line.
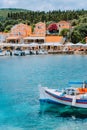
x=4, y=11
x=78, y=19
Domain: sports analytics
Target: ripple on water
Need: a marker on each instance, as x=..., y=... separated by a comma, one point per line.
x=19, y=95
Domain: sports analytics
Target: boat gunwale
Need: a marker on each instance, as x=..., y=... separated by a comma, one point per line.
x=66, y=99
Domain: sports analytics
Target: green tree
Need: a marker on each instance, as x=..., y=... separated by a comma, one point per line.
x=65, y=33
x=82, y=28
x=33, y=26
x=75, y=36
x=1, y=27
x=74, y=22
x=79, y=33
x=8, y=28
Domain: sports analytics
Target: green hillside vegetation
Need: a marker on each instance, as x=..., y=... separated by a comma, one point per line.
x=77, y=18
x=4, y=12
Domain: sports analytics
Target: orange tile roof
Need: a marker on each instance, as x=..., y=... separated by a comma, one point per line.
x=21, y=29
x=53, y=38
x=40, y=28
x=13, y=38
x=64, y=24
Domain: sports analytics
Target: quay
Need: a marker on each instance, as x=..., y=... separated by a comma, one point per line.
x=61, y=52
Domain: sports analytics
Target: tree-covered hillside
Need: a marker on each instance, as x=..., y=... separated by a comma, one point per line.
x=77, y=18
x=36, y=16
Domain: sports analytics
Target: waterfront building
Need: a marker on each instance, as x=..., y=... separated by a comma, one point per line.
x=38, y=34
x=18, y=32
x=54, y=39
x=34, y=38
x=3, y=37
x=40, y=29
x=63, y=25
x=53, y=42
x=22, y=33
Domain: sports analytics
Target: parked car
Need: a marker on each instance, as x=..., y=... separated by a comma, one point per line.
x=32, y=52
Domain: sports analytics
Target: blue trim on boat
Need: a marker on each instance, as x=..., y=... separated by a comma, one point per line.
x=80, y=101
x=71, y=82
x=77, y=82
x=58, y=97
x=48, y=101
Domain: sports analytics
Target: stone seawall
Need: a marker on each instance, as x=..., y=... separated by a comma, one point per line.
x=60, y=52
x=68, y=52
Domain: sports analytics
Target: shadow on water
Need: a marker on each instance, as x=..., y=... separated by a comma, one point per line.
x=63, y=110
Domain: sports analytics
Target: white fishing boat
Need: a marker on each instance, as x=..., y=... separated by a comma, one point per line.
x=75, y=97
x=27, y=52
x=19, y=53
x=42, y=52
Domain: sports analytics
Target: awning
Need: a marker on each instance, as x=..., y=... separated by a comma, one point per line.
x=47, y=44
x=51, y=44
x=79, y=44
x=85, y=45
x=34, y=38
x=57, y=44
x=70, y=44
x=33, y=44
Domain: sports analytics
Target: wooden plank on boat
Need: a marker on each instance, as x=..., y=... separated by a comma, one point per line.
x=74, y=101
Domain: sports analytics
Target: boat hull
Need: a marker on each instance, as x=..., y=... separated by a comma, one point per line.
x=62, y=110
x=51, y=96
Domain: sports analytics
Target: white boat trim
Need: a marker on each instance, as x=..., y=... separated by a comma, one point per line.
x=53, y=96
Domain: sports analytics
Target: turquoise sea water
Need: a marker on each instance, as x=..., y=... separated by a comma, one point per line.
x=19, y=95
